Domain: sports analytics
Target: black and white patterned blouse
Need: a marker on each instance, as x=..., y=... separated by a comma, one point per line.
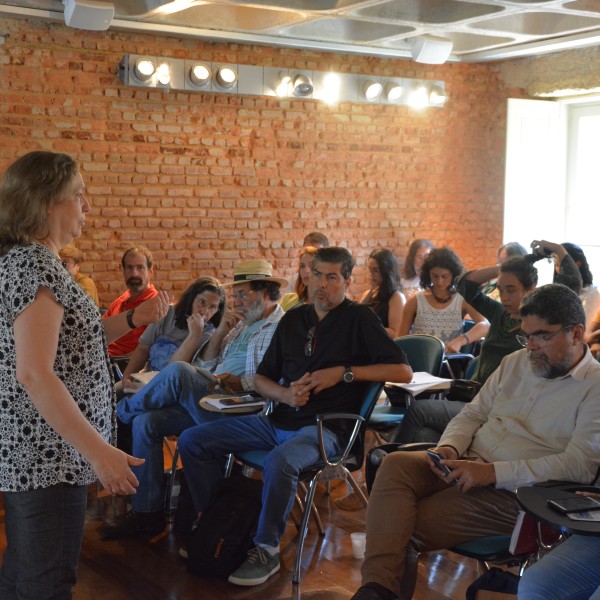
x=32, y=454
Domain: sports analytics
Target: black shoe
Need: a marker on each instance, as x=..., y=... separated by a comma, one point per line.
x=134, y=524
x=373, y=591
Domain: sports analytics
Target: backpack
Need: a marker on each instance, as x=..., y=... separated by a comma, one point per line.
x=222, y=536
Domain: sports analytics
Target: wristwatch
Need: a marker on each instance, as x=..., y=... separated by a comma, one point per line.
x=130, y=322
x=348, y=376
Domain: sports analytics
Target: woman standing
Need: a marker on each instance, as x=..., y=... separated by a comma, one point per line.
x=384, y=295
x=56, y=389
x=439, y=310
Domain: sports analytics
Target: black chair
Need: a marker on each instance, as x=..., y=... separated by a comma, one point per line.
x=349, y=460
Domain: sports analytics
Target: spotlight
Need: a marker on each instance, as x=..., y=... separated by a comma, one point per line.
x=393, y=91
x=199, y=75
x=371, y=90
x=144, y=69
x=437, y=96
x=226, y=77
x=418, y=97
x=283, y=87
x=303, y=86
x=163, y=74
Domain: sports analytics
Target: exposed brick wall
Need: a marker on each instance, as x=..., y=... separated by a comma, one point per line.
x=204, y=180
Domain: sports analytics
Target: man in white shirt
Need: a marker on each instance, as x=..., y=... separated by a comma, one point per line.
x=536, y=418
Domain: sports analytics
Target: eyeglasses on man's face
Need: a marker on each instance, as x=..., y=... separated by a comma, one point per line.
x=540, y=339
x=242, y=296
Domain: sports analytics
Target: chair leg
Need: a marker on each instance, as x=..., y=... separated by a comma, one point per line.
x=312, y=486
x=356, y=488
x=171, y=481
x=313, y=509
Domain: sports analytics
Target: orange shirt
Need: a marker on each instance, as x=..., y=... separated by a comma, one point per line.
x=127, y=343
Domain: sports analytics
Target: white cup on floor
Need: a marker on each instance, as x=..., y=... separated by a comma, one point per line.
x=359, y=540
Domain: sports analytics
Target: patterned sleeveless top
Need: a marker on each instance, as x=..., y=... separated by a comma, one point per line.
x=444, y=323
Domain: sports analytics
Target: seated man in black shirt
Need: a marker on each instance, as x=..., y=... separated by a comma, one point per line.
x=317, y=362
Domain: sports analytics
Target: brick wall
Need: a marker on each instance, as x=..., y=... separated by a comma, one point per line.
x=204, y=180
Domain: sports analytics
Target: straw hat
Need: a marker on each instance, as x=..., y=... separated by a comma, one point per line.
x=255, y=270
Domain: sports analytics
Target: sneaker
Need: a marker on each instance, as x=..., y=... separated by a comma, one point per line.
x=134, y=524
x=373, y=591
x=256, y=569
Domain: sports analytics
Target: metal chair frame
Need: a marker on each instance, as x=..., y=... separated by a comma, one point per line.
x=343, y=464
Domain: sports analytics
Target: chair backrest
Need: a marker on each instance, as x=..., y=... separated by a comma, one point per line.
x=471, y=368
x=424, y=352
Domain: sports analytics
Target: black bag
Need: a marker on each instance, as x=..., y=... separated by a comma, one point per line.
x=221, y=538
x=494, y=580
x=463, y=390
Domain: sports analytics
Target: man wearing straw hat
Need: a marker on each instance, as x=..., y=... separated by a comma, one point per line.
x=168, y=404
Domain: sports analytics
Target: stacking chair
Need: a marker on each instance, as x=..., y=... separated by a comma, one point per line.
x=350, y=459
x=425, y=353
x=493, y=549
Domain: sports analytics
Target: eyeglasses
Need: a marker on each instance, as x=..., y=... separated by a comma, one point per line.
x=311, y=342
x=540, y=339
x=242, y=296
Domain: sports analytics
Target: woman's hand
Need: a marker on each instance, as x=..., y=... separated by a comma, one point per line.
x=113, y=468
x=195, y=325
x=454, y=346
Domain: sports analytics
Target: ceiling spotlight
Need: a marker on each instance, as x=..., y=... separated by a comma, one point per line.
x=226, y=77
x=371, y=90
x=143, y=69
x=418, y=97
x=302, y=86
x=199, y=74
x=437, y=96
x=283, y=87
x=163, y=74
x=393, y=91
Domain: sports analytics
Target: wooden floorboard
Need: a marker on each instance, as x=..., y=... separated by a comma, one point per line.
x=138, y=569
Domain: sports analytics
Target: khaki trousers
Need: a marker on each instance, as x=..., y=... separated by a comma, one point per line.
x=411, y=510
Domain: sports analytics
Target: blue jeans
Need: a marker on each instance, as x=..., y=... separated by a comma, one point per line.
x=177, y=384
x=44, y=529
x=203, y=449
x=569, y=572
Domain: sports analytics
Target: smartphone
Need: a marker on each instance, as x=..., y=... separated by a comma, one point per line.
x=578, y=504
x=437, y=458
x=238, y=400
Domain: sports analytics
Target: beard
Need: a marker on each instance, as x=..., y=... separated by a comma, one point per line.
x=254, y=312
x=134, y=284
x=544, y=368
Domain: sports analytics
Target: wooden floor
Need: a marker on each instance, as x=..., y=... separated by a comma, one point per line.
x=152, y=569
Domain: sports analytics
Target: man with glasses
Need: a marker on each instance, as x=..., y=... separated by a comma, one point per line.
x=319, y=361
x=536, y=418
x=168, y=404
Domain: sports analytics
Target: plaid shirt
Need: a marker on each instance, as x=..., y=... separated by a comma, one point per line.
x=257, y=346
